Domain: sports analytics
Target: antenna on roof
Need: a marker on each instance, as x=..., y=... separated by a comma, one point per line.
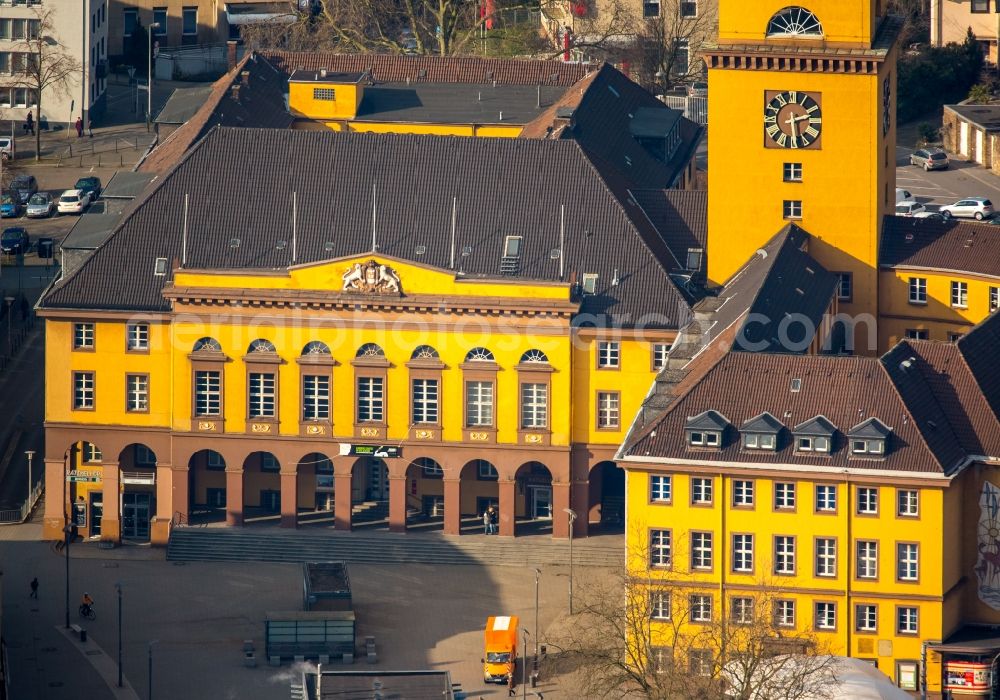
x=562, y=238
x=184, y=234
x=295, y=225
x=454, y=209
x=374, y=243
x=538, y=97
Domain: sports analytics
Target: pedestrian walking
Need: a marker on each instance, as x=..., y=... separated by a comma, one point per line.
x=486, y=521
x=79, y=127
x=34, y=588
x=493, y=520
x=29, y=124
x=90, y=128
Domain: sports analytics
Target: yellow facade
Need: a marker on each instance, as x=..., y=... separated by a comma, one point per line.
x=932, y=308
x=931, y=594
x=847, y=176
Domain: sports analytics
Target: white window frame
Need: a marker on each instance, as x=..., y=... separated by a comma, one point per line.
x=661, y=488
x=743, y=492
x=261, y=394
x=865, y=617
x=701, y=607
x=136, y=393
x=867, y=500
x=784, y=554
x=917, y=287
x=826, y=498
x=370, y=399
x=701, y=490
x=425, y=401
x=659, y=604
x=784, y=495
x=907, y=562
x=478, y=404
x=994, y=298
x=315, y=397
x=826, y=557
x=784, y=612
x=208, y=393
x=959, y=294
x=660, y=353
x=907, y=619
x=84, y=336
x=791, y=172
x=84, y=390
x=608, y=410
x=791, y=209
x=608, y=354
x=137, y=335
x=826, y=615
x=702, y=556
x=534, y=405
x=741, y=610
x=908, y=503
x=743, y=553
x=661, y=548
x=866, y=557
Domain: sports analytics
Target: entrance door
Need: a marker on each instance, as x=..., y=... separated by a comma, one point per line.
x=96, y=512
x=135, y=515
x=541, y=503
x=963, y=139
x=378, y=480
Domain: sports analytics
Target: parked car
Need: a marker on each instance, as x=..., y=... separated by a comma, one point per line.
x=14, y=241
x=9, y=207
x=978, y=208
x=6, y=147
x=24, y=186
x=930, y=159
x=91, y=185
x=903, y=196
x=40, y=206
x=73, y=202
x=910, y=208
x=932, y=215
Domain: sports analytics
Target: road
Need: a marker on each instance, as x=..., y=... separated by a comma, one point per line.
x=945, y=186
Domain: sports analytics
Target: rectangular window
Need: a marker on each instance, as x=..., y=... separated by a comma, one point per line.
x=660, y=490
x=743, y=553
x=5, y=68
x=784, y=554
x=907, y=503
x=137, y=337
x=486, y=471
x=682, y=57
x=589, y=284
x=608, y=410
x=208, y=393
x=867, y=559
x=660, y=548
x=867, y=500
x=4, y=28
x=826, y=498
x=269, y=463
x=741, y=610
x=826, y=556
x=608, y=354
x=906, y=620
x=699, y=438
x=701, y=550
x=743, y=493
x=478, y=404
x=83, y=336
x=791, y=209
x=261, y=395
x=325, y=94
x=660, y=351
x=908, y=675
x=980, y=5
x=650, y=8
x=130, y=18
x=792, y=172
x=34, y=26
x=784, y=496
x=18, y=29
x=160, y=18
x=425, y=401
x=137, y=393
x=907, y=562
x=866, y=617
x=994, y=298
x=189, y=16
x=845, y=286
x=916, y=334
x=659, y=605
x=826, y=616
x=694, y=259
x=701, y=608
x=784, y=613
x=534, y=406
x=960, y=295
x=371, y=398
x=918, y=290
x=91, y=453
x=83, y=391
x=315, y=397
x=661, y=659
x=700, y=662
x=701, y=490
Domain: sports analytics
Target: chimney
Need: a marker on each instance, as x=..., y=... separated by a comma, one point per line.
x=245, y=77
x=231, y=54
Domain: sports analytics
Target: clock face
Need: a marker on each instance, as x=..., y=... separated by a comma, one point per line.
x=792, y=119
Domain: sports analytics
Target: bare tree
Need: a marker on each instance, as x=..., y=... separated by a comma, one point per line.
x=641, y=636
x=597, y=29
x=46, y=65
x=668, y=46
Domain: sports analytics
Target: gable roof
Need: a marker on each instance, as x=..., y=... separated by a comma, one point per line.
x=707, y=420
x=979, y=350
x=240, y=184
x=817, y=425
x=395, y=68
x=762, y=423
x=940, y=245
x=871, y=428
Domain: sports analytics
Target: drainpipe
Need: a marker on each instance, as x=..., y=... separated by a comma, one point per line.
x=850, y=562
x=723, y=548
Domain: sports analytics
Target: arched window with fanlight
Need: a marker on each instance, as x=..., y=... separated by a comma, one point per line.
x=480, y=355
x=208, y=379
x=261, y=345
x=370, y=350
x=424, y=352
x=794, y=22
x=316, y=363
x=262, y=364
x=207, y=344
x=316, y=347
x=534, y=356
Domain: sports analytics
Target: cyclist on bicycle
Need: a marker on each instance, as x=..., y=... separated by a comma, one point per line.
x=86, y=602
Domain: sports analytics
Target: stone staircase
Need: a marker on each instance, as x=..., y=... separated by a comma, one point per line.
x=277, y=545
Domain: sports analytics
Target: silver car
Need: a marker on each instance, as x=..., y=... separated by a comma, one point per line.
x=40, y=206
x=930, y=159
x=978, y=208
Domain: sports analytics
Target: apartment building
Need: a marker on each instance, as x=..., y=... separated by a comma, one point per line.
x=952, y=19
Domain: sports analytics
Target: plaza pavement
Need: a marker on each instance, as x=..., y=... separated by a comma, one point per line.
x=199, y=613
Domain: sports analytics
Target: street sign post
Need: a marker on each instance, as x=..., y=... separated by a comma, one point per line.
x=78, y=476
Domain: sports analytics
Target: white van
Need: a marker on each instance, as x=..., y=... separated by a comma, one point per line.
x=903, y=196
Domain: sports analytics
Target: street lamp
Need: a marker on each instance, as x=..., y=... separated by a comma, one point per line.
x=538, y=573
x=571, y=514
x=118, y=587
x=524, y=667
x=68, y=531
x=30, y=453
x=9, y=300
x=149, y=74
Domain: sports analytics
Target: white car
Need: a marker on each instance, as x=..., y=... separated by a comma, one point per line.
x=977, y=208
x=903, y=196
x=910, y=208
x=74, y=202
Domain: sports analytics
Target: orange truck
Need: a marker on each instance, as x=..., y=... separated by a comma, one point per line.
x=501, y=648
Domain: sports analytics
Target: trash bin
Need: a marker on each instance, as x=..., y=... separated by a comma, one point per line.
x=45, y=247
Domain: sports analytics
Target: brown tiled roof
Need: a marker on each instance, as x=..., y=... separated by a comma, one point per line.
x=260, y=103
x=394, y=68
x=549, y=124
x=940, y=245
x=979, y=348
x=240, y=183
x=681, y=217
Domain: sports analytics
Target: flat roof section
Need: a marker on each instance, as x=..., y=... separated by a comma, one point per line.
x=323, y=75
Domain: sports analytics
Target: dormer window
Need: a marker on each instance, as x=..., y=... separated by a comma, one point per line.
x=814, y=436
x=869, y=438
x=761, y=432
x=589, y=283
x=706, y=429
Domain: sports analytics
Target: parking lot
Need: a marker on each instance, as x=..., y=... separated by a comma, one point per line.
x=939, y=187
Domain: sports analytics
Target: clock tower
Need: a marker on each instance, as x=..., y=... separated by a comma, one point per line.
x=802, y=129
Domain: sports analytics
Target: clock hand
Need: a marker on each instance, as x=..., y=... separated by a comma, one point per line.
x=793, y=121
